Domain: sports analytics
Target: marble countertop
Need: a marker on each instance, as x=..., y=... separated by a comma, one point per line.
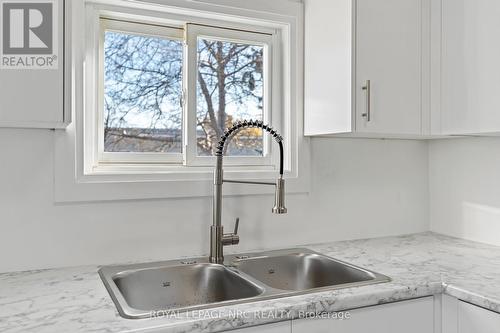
x=75, y=300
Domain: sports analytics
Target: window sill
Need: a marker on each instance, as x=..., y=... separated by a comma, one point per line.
x=177, y=172
x=73, y=184
x=107, y=186
x=143, y=190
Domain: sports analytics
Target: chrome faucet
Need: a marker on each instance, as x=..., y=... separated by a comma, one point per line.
x=218, y=239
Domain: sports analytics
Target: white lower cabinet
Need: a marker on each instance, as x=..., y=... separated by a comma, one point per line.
x=460, y=317
x=414, y=316
x=422, y=315
x=473, y=319
x=282, y=327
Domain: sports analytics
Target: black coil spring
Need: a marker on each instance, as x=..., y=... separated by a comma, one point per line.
x=245, y=124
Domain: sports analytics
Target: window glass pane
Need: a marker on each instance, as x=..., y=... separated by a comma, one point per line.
x=230, y=88
x=142, y=93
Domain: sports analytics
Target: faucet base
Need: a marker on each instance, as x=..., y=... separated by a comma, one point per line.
x=216, y=245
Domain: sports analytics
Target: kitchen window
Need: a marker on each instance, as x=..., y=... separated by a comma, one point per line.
x=167, y=93
x=145, y=96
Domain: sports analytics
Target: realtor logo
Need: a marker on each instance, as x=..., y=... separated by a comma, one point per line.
x=28, y=36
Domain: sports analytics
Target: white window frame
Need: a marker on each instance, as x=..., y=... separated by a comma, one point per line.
x=189, y=33
x=74, y=181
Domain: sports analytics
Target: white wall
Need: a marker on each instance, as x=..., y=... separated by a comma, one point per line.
x=360, y=188
x=464, y=178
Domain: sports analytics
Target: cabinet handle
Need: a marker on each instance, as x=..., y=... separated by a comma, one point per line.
x=367, y=88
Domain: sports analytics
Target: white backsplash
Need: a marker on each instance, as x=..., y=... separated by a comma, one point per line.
x=464, y=182
x=360, y=188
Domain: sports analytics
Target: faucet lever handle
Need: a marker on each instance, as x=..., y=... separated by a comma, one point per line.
x=236, y=225
x=232, y=238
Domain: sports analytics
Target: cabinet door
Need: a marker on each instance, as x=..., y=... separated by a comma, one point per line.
x=473, y=319
x=389, y=54
x=415, y=316
x=470, y=66
x=32, y=64
x=328, y=67
x=282, y=327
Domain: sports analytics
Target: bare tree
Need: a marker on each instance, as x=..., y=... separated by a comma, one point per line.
x=229, y=74
x=143, y=80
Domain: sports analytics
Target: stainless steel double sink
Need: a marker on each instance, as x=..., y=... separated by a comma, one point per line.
x=139, y=290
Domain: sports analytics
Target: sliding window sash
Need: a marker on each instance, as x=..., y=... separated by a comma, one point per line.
x=153, y=30
x=193, y=33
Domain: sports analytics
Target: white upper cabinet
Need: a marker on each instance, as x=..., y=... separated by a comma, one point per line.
x=470, y=82
x=32, y=66
x=328, y=66
x=388, y=54
x=364, y=67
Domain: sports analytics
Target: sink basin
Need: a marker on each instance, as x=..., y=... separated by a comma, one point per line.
x=302, y=271
x=139, y=292
x=168, y=287
x=182, y=286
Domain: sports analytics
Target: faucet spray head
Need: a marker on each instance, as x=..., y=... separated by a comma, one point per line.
x=279, y=197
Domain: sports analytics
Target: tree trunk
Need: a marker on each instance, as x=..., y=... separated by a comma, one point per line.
x=221, y=80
